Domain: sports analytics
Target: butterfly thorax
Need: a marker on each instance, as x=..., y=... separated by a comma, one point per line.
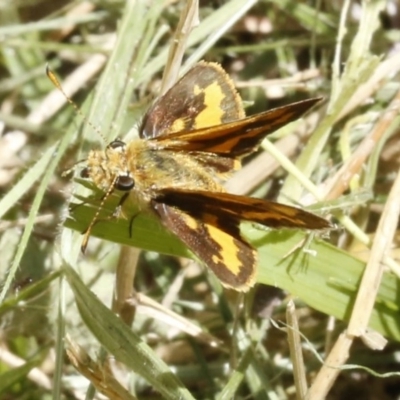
x=154, y=169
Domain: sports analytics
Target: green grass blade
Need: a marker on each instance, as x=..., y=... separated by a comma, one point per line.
x=323, y=276
x=123, y=343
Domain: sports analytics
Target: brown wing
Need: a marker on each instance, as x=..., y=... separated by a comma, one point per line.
x=216, y=241
x=205, y=96
x=235, y=138
x=240, y=208
x=209, y=224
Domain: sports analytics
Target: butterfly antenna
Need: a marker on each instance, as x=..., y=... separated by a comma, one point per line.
x=95, y=219
x=51, y=75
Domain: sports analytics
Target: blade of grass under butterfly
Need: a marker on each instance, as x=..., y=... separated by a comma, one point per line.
x=322, y=275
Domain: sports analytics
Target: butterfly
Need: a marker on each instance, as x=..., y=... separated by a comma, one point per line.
x=190, y=140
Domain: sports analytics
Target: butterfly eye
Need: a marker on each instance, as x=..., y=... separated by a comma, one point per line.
x=115, y=144
x=85, y=173
x=124, y=183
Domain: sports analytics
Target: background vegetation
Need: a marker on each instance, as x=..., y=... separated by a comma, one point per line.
x=179, y=334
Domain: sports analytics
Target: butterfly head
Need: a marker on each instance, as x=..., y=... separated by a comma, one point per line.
x=108, y=169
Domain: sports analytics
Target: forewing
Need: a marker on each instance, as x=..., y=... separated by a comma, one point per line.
x=216, y=241
x=229, y=206
x=204, y=97
x=235, y=138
